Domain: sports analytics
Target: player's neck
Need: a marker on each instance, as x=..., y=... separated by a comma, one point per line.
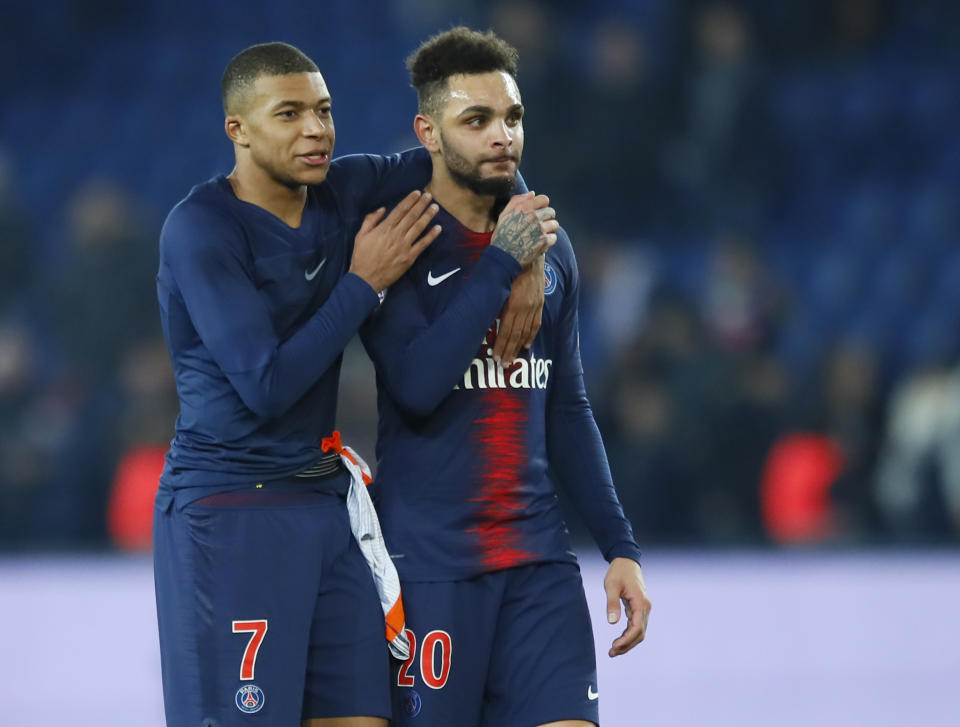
x=469, y=208
x=252, y=184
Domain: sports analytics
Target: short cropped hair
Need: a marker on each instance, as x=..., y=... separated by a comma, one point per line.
x=264, y=59
x=454, y=52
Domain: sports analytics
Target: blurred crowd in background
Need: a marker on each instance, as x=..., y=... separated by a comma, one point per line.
x=763, y=197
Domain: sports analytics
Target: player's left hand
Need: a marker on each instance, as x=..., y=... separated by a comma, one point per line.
x=522, y=314
x=624, y=582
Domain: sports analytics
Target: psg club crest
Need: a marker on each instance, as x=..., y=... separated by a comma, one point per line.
x=549, y=279
x=249, y=698
x=410, y=703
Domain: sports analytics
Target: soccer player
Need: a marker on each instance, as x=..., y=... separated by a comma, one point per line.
x=268, y=612
x=469, y=449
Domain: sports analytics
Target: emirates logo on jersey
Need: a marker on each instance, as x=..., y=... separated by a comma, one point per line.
x=485, y=373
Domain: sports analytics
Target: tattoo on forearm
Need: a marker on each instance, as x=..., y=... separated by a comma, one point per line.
x=518, y=234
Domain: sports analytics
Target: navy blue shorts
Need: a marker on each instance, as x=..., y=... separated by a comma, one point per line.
x=267, y=611
x=513, y=648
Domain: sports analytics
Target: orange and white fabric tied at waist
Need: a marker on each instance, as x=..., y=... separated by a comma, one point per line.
x=366, y=530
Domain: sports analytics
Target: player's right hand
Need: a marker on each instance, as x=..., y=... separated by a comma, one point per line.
x=385, y=248
x=527, y=227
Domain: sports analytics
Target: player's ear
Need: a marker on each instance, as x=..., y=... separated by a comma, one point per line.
x=427, y=133
x=236, y=130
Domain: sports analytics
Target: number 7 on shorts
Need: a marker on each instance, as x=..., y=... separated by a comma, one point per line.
x=257, y=629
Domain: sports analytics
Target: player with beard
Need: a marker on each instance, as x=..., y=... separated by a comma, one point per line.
x=267, y=610
x=469, y=447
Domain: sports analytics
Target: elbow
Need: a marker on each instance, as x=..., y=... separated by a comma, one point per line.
x=416, y=405
x=418, y=401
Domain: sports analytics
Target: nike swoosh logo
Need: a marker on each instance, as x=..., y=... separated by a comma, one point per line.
x=312, y=275
x=592, y=695
x=431, y=281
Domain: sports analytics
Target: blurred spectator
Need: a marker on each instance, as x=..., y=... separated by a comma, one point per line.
x=918, y=480
x=102, y=303
x=412, y=16
x=103, y=294
x=845, y=405
x=700, y=388
x=795, y=489
x=853, y=419
x=856, y=25
x=617, y=282
x=532, y=28
x=745, y=427
x=24, y=466
x=148, y=396
x=612, y=121
x=99, y=427
x=743, y=304
x=649, y=469
x=722, y=164
x=143, y=428
x=17, y=245
x=697, y=422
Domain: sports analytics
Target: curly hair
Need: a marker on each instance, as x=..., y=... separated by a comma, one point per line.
x=453, y=52
x=264, y=59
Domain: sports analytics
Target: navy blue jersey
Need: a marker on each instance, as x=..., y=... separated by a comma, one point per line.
x=256, y=315
x=467, y=450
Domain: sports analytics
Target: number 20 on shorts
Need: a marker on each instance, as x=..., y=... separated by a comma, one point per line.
x=430, y=660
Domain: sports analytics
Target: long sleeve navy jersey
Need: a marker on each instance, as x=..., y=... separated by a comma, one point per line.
x=256, y=315
x=468, y=451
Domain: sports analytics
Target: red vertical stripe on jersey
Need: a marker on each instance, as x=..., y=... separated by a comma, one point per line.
x=501, y=439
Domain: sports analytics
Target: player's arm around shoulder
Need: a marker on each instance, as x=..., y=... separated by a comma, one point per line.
x=374, y=180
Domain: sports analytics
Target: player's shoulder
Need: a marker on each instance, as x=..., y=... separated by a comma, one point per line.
x=560, y=268
x=204, y=215
x=564, y=246
x=206, y=203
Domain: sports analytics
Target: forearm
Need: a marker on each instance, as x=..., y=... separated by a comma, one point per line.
x=292, y=366
x=421, y=372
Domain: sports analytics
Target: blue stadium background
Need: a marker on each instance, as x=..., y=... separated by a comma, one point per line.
x=763, y=197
